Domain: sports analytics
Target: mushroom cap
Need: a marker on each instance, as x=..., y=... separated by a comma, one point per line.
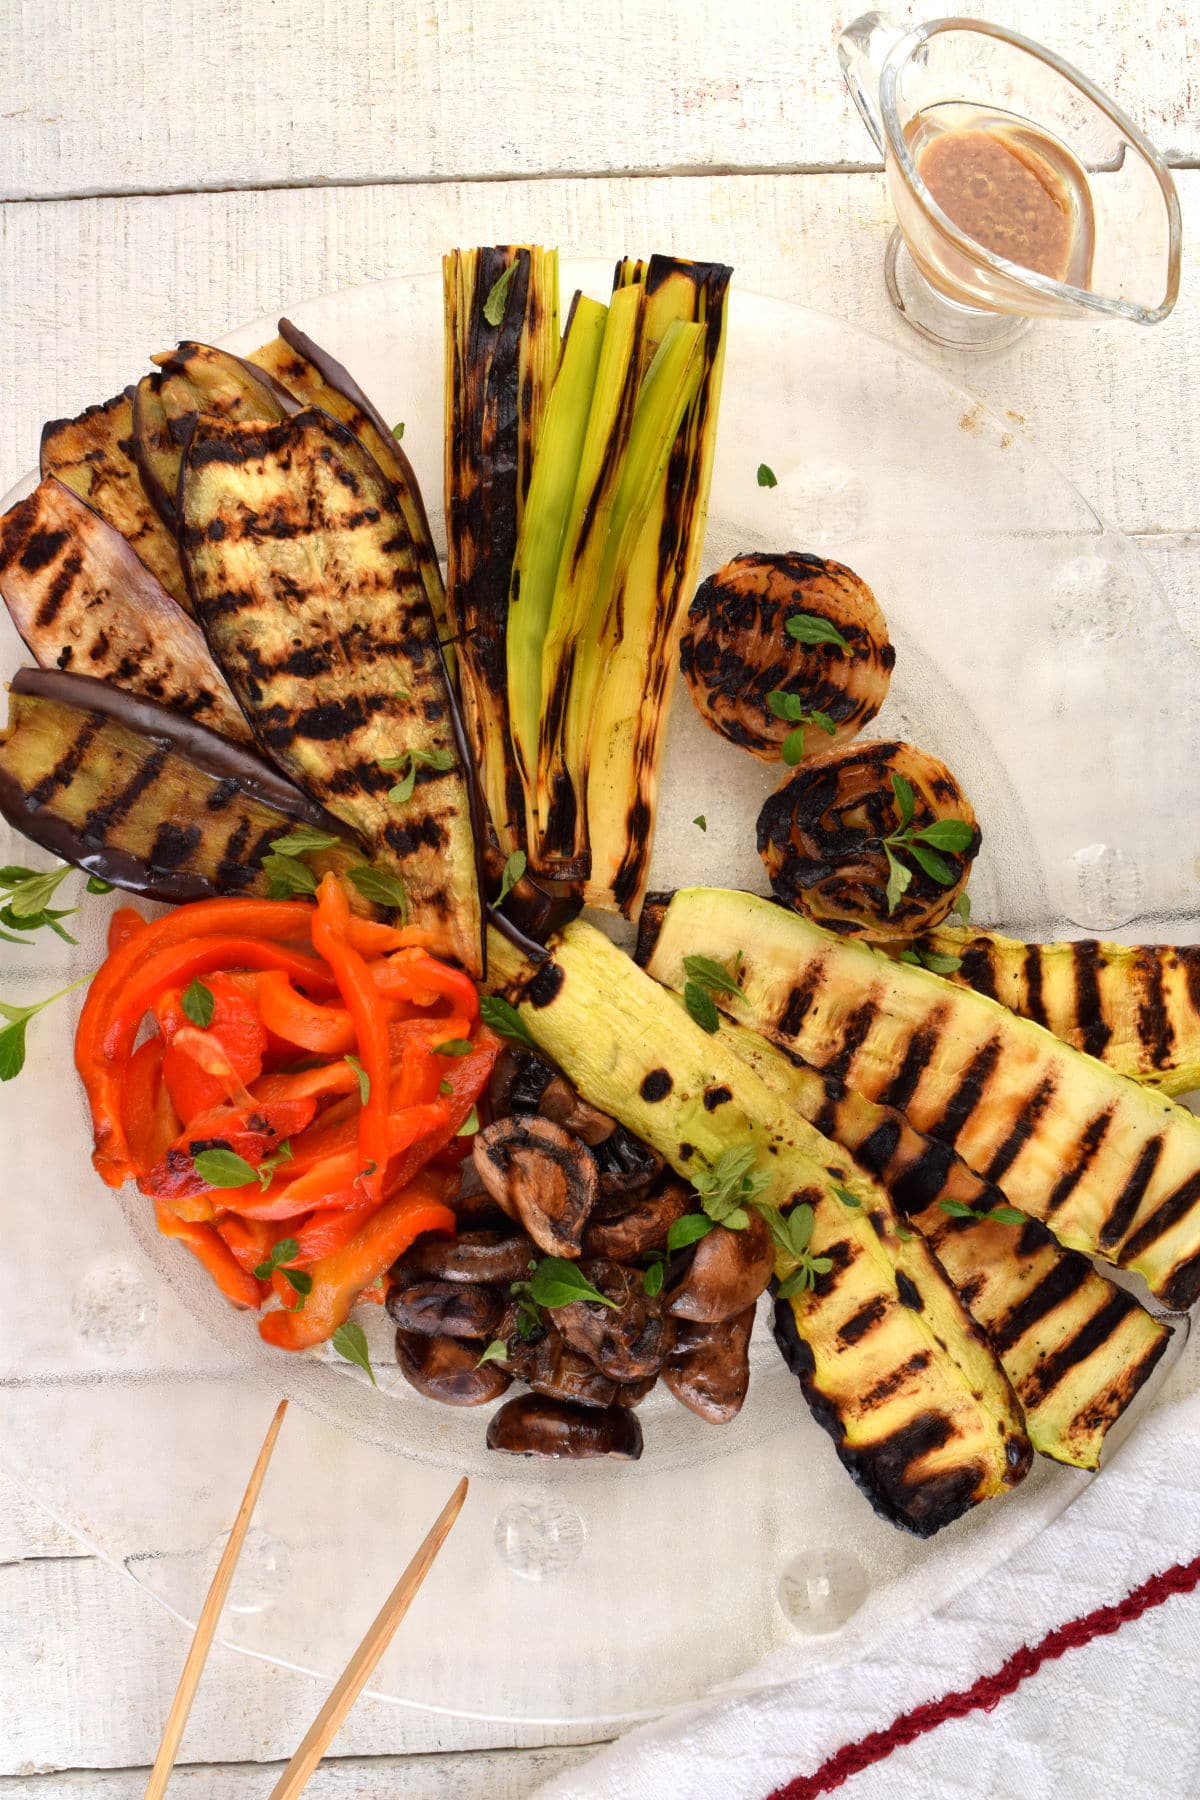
x=621, y=1233
x=540, y=1175
x=446, y=1369
x=627, y=1342
x=457, y=1309
x=535, y=1425
x=708, y=1367
x=727, y=1273
x=497, y=1257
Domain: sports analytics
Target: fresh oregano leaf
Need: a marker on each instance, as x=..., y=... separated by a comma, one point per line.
x=198, y=1003
x=350, y=1341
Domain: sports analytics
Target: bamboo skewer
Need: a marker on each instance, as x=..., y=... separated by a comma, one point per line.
x=350, y=1684
x=206, y=1625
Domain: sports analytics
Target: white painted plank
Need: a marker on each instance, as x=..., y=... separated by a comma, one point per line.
x=89, y=288
x=240, y=93
x=90, y=1664
x=478, y=1775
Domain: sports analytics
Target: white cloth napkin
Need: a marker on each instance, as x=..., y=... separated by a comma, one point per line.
x=1122, y=1713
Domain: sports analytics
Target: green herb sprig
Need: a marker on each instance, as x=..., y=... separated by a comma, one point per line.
x=792, y=710
x=767, y=476
x=350, y=1341
x=12, y=1037
x=26, y=906
x=495, y=305
x=502, y=1017
x=299, y=1280
x=933, y=960
x=514, y=869
x=726, y=1188
x=380, y=887
x=198, y=1003
x=999, y=1215
x=815, y=628
x=705, y=979
x=406, y=765
x=922, y=844
x=793, y=1233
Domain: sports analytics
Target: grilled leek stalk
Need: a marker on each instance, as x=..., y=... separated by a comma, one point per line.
x=630, y=435
x=1076, y=1347
x=150, y=801
x=645, y=618
x=93, y=455
x=318, y=379
x=83, y=601
x=544, y=529
x=1112, y=1168
x=305, y=579
x=1136, y=1007
x=919, y=1409
x=498, y=380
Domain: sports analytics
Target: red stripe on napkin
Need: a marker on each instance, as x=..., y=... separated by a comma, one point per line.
x=989, y=1690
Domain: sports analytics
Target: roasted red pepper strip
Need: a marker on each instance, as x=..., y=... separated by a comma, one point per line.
x=417, y=976
x=328, y=1030
x=365, y=1006
x=253, y=1136
x=335, y=1181
x=250, y=1240
x=125, y=924
x=338, y=1279
x=371, y=938
x=105, y=1038
x=214, y=1253
x=147, y=1114
x=235, y=1029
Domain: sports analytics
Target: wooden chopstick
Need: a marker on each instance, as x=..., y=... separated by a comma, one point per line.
x=206, y=1625
x=332, y=1715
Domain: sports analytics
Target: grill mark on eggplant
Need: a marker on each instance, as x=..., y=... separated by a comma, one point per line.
x=969, y=1092
x=1090, y=1140
x=1093, y=1029
x=1023, y=1128
x=1063, y=1281
x=1125, y=1206
x=67, y=766
x=100, y=821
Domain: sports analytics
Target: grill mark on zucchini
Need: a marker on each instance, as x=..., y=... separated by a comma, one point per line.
x=969, y=1092
x=1094, y=1029
x=1023, y=1128
x=1034, y=1007
x=1084, y=1344
x=891, y=1383
x=1130, y=1198
x=801, y=997
x=1090, y=1140
x=863, y=1321
x=978, y=969
x=1155, y=1029
x=1065, y=1279
x=918, y=1054
x=853, y=1035
x=1169, y=1212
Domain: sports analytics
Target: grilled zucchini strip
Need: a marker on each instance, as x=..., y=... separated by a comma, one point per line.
x=93, y=455
x=544, y=530
x=305, y=579
x=1112, y=1168
x=893, y=1367
x=645, y=618
x=82, y=600
x=1136, y=1007
x=498, y=380
x=1076, y=1347
x=133, y=793
x=318, y=379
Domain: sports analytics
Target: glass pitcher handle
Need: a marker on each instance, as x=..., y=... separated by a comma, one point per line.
x=862, y=50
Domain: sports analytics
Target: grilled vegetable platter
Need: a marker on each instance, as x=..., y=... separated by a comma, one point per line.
x=392, y=1041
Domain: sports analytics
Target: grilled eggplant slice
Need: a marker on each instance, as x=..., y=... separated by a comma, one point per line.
x=83, y=601
x=1076, y=1347
x=304, y=577
x=154, y=449
x=143, y=798
x=93, y=455
x=1136, y=1007
x=822, y=834
x=920, y=1410
x=498, y=379
x=1112, y=1168
x=737, y=650
x=196, y=378
x=318, y=379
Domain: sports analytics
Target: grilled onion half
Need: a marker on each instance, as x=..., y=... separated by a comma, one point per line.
x=834, y=835
x=789, y=625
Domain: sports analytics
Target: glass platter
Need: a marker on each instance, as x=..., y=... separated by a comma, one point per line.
x=1036, y=655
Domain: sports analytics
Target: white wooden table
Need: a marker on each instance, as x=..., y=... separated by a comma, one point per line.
x=178, y=166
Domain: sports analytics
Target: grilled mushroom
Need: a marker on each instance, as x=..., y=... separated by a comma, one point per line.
x=560, y=1103
x=728, y=1272
x=498, y=1257
x=447, y=1308
x=626, y=1233
x=626, y=1165
x=566, y=1374
x=835, y=833
x=708, y=1367
x=535, y=1425
x=737, y=651
x=541, y=1175
x=627, y=1341
x=446, y=1369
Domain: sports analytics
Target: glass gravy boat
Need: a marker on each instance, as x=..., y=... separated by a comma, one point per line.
x=1111, y=202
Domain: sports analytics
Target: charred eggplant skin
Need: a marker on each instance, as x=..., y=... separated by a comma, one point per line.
x=194, y=814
